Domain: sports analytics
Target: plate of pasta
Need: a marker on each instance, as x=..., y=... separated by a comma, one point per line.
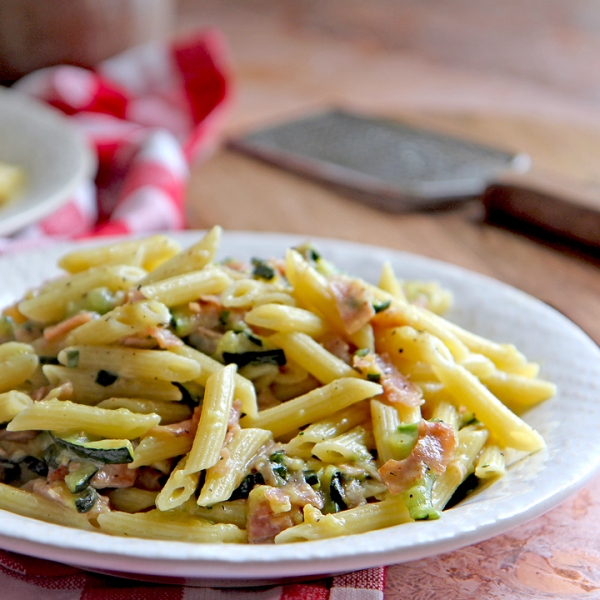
x=214, y=391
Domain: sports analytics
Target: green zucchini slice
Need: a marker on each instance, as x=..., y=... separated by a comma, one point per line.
x=108, y=452
x=80, y=479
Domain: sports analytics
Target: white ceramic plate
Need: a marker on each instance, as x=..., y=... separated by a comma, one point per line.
x=531, y=487
x=52, y=152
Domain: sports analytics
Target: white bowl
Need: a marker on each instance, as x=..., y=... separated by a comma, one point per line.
x=53, y=153
x=531, y=487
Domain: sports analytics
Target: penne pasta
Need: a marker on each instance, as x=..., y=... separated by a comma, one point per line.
x=389, y=283
x=132, y=499
x=121, y=361
x=470, y=443
x=310, y=355
x=157, y=525
x=169, y=412
x=501, y=422
x=336, y=424
x=84, y=388
x=159, y=444
x=194, y=258
x=123, y=321
x=17, y=363
x=12, y=403
x=355, y=520
x=347, y=447
x=29, y=504
x=51, y=302
x=147, y=253
x=62, y=415
x=179, y=488
x=222, y=479
x=385, y=421
x=313, y=406
x=214, y=418
x=287, y=319
x=490, y=463
x=181, y=289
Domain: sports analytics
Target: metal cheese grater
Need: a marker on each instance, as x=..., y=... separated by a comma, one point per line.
x=392, y=165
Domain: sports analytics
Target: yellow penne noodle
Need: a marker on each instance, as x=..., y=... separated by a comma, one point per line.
x=388, y=282
x=517, y=392
x=157, y=525
x=50, y=305
x=490, y=463
x=28, y=504
x=446, y=413
x=302, y=444
x=233, y=512
x=214, y=417
x=310, y=355
x=420, y=319
x=131, y=362
x=123, y=321
x=17, y=363
x=481, y=366
x=287, y=319
x=62, y=415
x=169, y=412
x=231, y=468
x=179, y=487
x=187, y=287
x=470, y=443
x=354, y=520
x=158, y=445
x=132, y=499
x=246, y=292
x=85, y=390
x=385, y=422
x=311, y=290
x=529, y=370
x=313, y=406
x=194, y=258
x=504, y=356
x=12, y=403
x=147, y=253
x=364, y=338
x=407, y=344
x=348, y=447
x=500, y=421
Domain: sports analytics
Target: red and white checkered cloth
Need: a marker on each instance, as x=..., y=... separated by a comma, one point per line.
x=25, y=578
x=148, y=113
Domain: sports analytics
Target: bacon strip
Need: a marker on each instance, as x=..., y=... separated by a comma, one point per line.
x=353, y=302
x=114, y=476
x=53, y=332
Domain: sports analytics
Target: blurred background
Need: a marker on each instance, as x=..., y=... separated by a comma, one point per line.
x=520, y=74
x=553, y=43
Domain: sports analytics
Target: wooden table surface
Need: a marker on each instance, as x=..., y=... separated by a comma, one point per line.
x=282, y=70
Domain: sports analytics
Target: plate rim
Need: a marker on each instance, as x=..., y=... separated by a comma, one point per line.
x=303, y=563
